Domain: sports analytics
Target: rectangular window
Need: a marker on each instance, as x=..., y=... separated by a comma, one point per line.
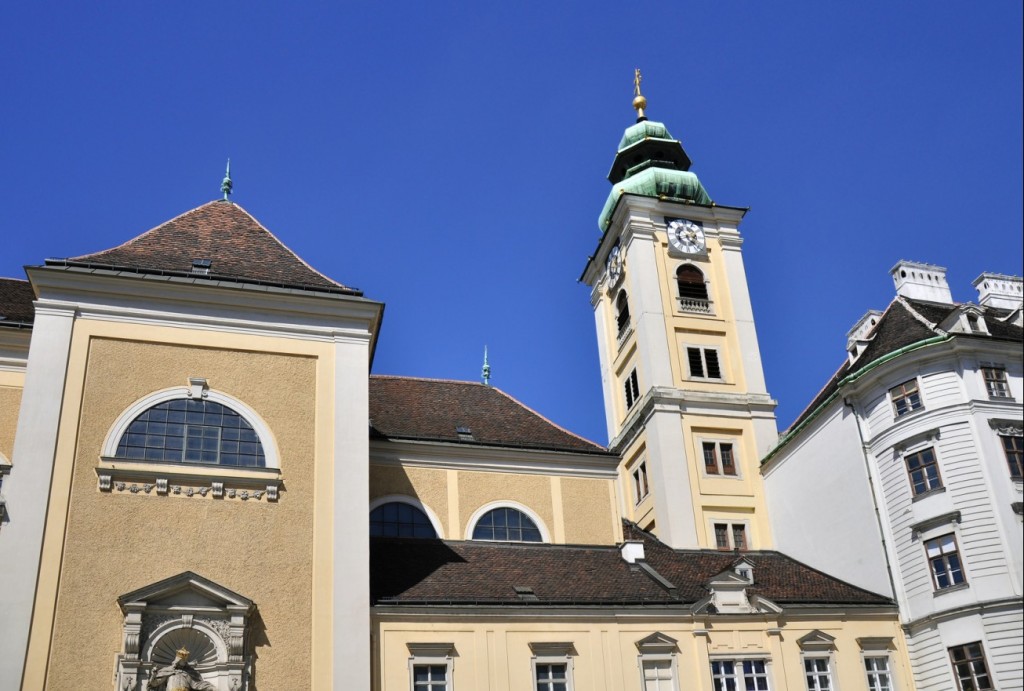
x=969, y=667
x=552, y=676
x=703, y=363
x=730, y=675
x=923, y=470
x=430, y=677
x=657, y=675
x=906, y=397
x=730, y=536
x=640, y=488
x=817, y=674
x=995, y=382
x=718, y=458
x=1013, y=447
x=945, y=562
x=632, y=389
x=877, y=669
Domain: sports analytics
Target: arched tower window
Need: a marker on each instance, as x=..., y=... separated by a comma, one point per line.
x=507, y=524
x=622, y=312
x=400, y=519
x=693, y=290
x=191, y=430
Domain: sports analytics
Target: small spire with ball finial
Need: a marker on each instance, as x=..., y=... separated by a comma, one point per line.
x=639, y=102
x=226, y=185
x=486, y=371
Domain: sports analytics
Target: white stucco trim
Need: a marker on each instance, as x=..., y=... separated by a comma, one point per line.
x=545, y=534
x=411, y=501
x=117, y=430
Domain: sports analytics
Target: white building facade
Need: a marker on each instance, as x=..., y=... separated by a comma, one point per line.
x=912, y=452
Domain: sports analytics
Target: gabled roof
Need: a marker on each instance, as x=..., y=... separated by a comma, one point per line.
x=16, y=298
x=410, y=408
x=238, y=246
x=436, y=572
x=904, y=323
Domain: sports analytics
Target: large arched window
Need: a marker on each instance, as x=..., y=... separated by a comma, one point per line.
x=622, y=312
x=506, y=524
x=693, y=290
x=191, y=430
x=400, y=519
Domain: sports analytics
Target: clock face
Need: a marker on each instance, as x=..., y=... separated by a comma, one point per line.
x=614, y=264
x=686, y=236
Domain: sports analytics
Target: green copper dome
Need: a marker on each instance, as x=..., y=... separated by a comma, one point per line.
x=645, y=129
x=676, y=185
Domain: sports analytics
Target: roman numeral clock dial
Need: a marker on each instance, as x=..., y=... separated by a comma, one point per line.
x=686, y=236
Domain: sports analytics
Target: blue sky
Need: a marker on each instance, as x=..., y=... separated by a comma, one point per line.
x=449, y=159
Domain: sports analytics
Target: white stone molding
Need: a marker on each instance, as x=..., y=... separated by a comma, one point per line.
x=120, y=426
x=411, y=501
x=188, y=611
x=545, y=534
x=1007, y=428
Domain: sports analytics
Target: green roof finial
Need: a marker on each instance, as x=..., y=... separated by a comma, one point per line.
x=225, y=185
x=486, y=371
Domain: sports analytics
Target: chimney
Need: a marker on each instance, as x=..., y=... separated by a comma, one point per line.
x=999, y=290
x=919, y=281
x=632, y=551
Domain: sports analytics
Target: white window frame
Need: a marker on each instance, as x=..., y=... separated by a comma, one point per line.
x=718, y=441
x=411, y=501
x=730, y=523
x=545, y=534
x=710, y=307
x=658, y=648
x=738, y=660
x=829, y=672
x=641, y=481
x=432, y=654
x=631, y=389
x=877, y=648
x=704, y=362
x=555, y=653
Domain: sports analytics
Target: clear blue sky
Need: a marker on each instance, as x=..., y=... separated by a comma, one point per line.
x=449, y=159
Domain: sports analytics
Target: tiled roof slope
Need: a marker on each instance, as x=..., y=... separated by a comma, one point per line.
x=904, y=323
x=240, y=249
x=436, y=572
x=16, y=298
x=433, y=409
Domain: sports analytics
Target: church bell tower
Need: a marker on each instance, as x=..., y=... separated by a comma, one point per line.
x=684, y=391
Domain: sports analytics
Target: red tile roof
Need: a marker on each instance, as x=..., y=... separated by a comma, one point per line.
x=436, y=572
x=433, y=410
x=239, y=247
x=16, y=298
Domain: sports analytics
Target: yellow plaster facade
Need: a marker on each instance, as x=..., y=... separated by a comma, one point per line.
x=11, y=385
x=492, y=650
x=99, y=545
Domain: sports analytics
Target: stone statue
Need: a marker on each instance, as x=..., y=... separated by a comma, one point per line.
x=179, y=675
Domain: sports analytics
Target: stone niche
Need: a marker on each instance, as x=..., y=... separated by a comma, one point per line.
x=191, y=612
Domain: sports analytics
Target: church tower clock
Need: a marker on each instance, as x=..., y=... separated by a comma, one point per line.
x=684, y=392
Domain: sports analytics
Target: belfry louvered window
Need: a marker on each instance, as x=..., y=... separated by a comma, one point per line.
x=693, y=290
x=188, y=430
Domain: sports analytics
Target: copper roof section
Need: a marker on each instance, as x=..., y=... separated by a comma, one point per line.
x=434, y=409
x=16, y=298
x=239, y=249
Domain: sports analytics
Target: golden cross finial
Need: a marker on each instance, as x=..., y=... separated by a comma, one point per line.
x=639, y=102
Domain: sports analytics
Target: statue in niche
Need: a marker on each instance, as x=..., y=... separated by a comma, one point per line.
x=179, y=675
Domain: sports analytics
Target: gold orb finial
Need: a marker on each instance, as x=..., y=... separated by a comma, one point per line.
x=639, y=102
x=182, y=654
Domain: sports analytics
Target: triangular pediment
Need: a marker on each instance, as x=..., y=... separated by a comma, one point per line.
x=657, y=642
x=817, y=640
x=188, y=590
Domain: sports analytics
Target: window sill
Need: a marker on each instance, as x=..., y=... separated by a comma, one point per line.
x=1002, y=399
x=923, y=495
x=910, y=414
x=161, y=479
x=952, y=588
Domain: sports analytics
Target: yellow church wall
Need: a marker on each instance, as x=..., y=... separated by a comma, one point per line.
x=10, y=403
x=429, y=485
x=587, y=506
x=492, y=651
x=477, y=489
x=100, y=545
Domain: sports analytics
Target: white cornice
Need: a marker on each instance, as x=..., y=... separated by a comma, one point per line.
x=194, y=303
x=451, y=456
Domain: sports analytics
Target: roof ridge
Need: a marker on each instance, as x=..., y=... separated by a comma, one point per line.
x=129, y=242
x=286, y=247
x=11, y=278
x=918, y=316
x=414, y=378
x=545, y=419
